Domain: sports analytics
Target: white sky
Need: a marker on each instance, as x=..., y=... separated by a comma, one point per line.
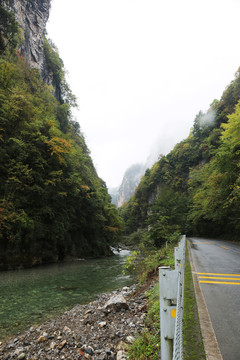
x=142, y=70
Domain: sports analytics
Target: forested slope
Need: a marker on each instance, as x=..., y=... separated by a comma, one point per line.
x=195, y=189
x=52, y=202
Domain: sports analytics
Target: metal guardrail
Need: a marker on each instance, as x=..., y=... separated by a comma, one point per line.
x=171, y=289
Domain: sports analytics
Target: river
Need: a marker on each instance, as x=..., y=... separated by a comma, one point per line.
x=31, y=296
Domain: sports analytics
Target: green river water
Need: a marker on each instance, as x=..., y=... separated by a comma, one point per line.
x=31, y=296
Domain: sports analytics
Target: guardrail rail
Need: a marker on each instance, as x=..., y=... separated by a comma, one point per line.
x=171, y=290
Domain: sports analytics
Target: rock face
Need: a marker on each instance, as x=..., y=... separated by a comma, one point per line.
x=129, y=183
x=32, y=16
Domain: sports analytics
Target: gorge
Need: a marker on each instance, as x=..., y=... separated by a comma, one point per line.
x=53, y=204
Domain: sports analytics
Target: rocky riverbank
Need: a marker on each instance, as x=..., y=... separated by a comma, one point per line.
x=99, y=330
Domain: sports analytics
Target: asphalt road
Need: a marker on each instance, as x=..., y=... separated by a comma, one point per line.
x=217, y=264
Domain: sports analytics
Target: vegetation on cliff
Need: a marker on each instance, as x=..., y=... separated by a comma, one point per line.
x=195, y=189
x=52, y=202
x=8, y=28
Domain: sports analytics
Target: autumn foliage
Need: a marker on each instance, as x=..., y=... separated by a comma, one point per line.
x=52, y=202
x=195, y=189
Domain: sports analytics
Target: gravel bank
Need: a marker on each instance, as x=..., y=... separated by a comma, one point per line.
x=99, y=330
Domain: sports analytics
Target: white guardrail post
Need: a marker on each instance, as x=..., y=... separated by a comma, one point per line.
x=171, y=290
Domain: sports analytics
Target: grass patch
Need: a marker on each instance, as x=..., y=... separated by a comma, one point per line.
x=145, y=262
x=192, y=339
x=147, y=345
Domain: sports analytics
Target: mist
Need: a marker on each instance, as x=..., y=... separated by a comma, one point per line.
x=208, y=119
x=142, y=70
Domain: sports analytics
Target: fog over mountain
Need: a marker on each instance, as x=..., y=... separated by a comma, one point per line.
x=131, y=179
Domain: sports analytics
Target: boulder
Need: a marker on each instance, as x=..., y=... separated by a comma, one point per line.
x=116, y=303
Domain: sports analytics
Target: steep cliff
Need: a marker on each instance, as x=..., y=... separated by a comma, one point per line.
x=32, y=17
x=52, y=203
x=129, y=183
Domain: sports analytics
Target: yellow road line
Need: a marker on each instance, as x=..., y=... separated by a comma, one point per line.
x=220, y=278
x=214, y=274
x=219, y=282
x=224, y=247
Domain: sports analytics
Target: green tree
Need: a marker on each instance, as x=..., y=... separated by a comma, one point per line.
x=52, y=202
x=8, y=28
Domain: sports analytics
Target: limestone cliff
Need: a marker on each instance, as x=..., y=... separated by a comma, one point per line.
x=32, y=16
x=129, y=183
